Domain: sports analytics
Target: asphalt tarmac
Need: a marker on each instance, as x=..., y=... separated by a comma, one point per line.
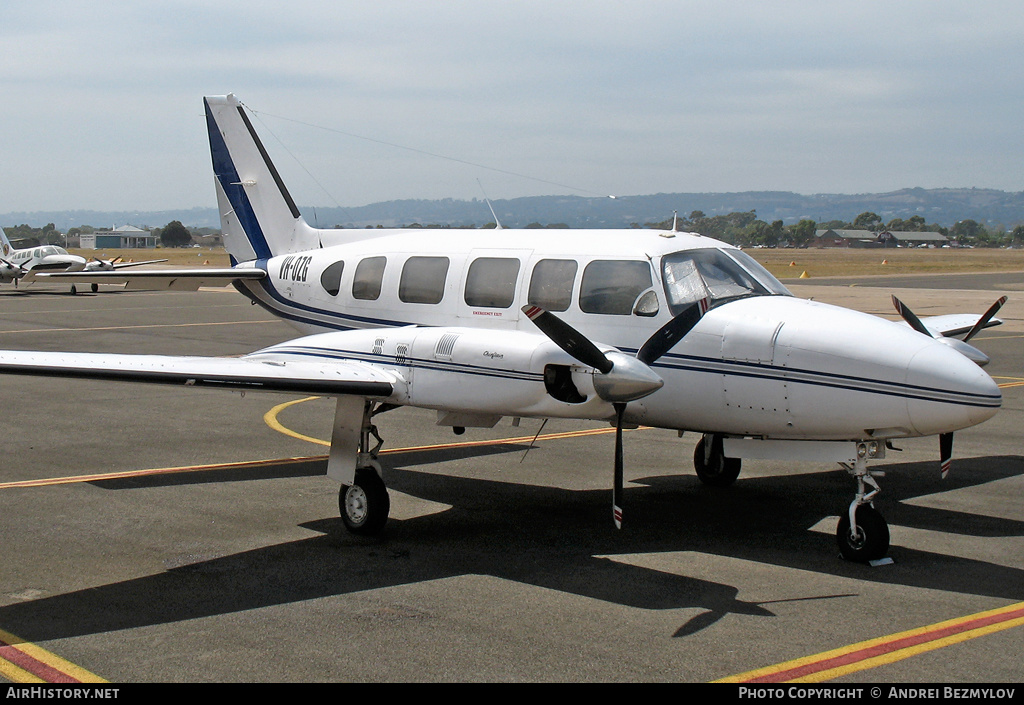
x=498, y=564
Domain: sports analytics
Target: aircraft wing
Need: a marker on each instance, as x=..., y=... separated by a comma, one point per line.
x=122, y=265
x=160, y=279
x=954, y=324
x=338, y=378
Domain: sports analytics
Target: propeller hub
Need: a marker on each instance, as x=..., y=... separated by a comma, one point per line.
x=967, y=350
x=628, y=380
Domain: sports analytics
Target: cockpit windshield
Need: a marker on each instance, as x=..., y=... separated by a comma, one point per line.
x=718, y=274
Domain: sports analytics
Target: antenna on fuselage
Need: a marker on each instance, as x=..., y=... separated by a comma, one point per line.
x=675, y=221
x=497, y=223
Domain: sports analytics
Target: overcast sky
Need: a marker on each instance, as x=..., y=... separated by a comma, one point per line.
x=102, y=101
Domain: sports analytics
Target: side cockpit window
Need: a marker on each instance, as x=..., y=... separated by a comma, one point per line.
x=613, y=286
x=716, y=274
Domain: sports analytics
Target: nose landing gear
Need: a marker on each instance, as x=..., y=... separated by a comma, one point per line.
x=863, y=534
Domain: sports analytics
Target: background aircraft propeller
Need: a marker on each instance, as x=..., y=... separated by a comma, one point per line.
x=622, y=378
x=12, y=265
x=961, y=346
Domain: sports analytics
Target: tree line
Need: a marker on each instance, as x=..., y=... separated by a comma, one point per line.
x=746, y=230
x=742, y=228
x=174, y=234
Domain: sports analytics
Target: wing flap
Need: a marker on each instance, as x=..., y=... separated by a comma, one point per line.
x=337, y=378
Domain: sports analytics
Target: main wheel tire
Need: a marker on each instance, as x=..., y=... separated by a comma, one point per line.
x=719, y=471
x=871, y=541
x=365, y=504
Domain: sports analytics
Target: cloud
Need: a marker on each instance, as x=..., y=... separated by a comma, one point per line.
x=103, y=110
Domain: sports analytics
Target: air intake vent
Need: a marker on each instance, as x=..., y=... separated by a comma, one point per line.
x=445, y=345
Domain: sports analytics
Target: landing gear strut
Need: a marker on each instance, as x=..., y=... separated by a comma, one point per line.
x=712, y=467
x=863, y=534
x=364, y=504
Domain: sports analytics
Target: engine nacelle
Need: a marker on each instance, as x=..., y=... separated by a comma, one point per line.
x=484, y=372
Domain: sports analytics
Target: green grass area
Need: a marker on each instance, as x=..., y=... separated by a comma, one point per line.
x=848, y=262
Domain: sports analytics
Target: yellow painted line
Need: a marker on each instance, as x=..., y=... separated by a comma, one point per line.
x=873, y=653
x=97, y=477
x=1017, y=381
x=270, y=418
x=24, y=662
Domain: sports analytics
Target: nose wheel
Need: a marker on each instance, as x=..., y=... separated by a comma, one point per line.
x=862, y=533
x=865, y=540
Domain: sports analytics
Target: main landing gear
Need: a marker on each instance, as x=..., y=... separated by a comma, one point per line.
x=713, y=468
x=364, y=504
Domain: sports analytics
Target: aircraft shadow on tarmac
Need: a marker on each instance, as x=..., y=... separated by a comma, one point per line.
x=558, y=539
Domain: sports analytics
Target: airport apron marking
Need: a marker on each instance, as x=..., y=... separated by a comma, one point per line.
x=885, y=650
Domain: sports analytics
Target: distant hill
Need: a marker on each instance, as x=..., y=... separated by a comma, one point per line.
x=937, y=206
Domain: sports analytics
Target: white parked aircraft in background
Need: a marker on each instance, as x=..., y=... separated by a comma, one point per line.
x=28, y=263
x=25, y=264
x=662, y=328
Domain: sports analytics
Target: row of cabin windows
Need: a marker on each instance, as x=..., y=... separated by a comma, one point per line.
x=608, y=286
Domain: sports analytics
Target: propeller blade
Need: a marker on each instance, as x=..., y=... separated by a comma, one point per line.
x=620, y=409
x=12, y=265
x=983, y=321
x=910, y=318
x=945, y=453
x=569, y=339
x=672, y=332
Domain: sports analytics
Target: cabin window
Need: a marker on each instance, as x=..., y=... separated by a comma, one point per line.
x=368, y=277
x=330, y=280
x=491, y=282
x=551, y=284
x=612, y=286
x=423, y=280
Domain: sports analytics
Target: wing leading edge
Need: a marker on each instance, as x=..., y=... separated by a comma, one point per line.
x=339, y=378
x=157, y=279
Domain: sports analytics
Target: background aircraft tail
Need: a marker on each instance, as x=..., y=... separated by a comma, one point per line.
x=5, y=245
x=259, y=219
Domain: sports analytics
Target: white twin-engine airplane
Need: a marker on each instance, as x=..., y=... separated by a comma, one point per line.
x=29, y=263
x=480, y=324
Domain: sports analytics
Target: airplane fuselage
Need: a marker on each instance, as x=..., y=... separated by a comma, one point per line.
x=19, y=264
x=438, y=307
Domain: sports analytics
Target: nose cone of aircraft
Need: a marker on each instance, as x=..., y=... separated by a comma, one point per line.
x=950, y=391
x=846, y=374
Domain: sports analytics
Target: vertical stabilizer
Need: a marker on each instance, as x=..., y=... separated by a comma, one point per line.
x=258, y=217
